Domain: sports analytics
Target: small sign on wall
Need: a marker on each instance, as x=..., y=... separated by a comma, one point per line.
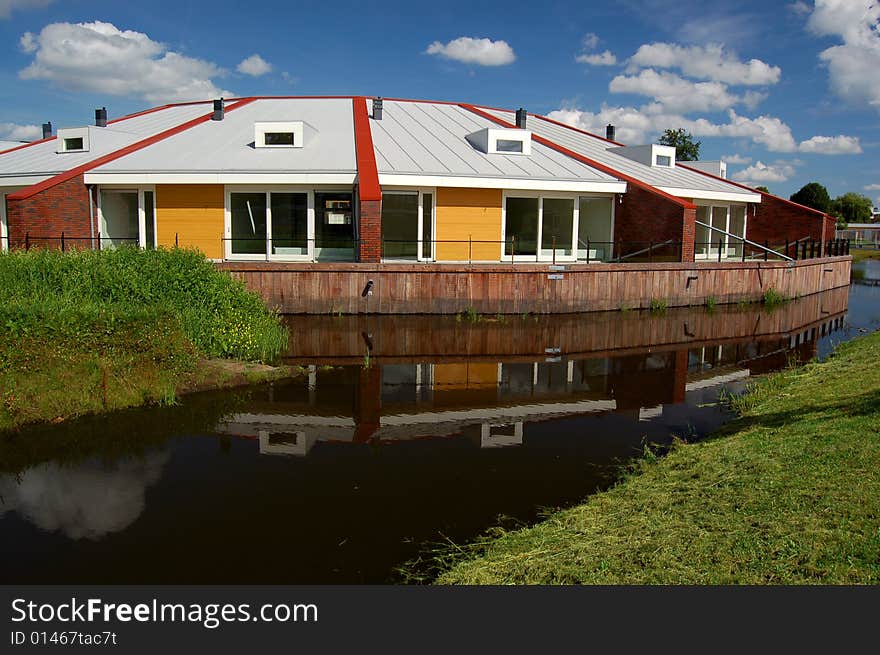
x=555, y=276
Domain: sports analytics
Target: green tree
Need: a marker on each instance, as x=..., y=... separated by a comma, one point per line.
x=686, y=149
x=813, y=195
x=852, y=208
x=762, y=188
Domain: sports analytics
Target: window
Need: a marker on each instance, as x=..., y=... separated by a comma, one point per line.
x=595, y=227
x=508, y=145
x=149, y=220
x=663, y=160
x=248, y=213
x=279, y=134
x=557, y=227
x=278, y=139
x=521, y=226
x=729, y=223
x=290, y=218
x=407, y=225
x=74, y=143
x=73, y=139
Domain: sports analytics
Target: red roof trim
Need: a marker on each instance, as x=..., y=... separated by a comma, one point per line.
x=100, y=161
x=368, y=172
x=586, y=160
x=26, y=145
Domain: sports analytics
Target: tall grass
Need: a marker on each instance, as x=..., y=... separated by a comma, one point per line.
x=213, y=309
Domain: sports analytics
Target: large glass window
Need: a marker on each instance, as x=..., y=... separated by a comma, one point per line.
x=727, y=221
x=334, y=226
x=119, y=212
x=290, y=223
x=719, y=222
x=521, y=226
x=149, y=220
x=557, y=227
x=702, y=233
x=248, y=212
x=737, y=227
x=427, y=226
x=595, y=222
x=400, y=225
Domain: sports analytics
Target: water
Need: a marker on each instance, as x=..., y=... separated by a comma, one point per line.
x=401, y=431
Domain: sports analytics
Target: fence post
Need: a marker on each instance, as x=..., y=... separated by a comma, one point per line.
x=812, y=248
x=720, y=245
x=27, y=241
x=766, y=249
x=743, y=246
x=470, y=249
x=554, y=249
x=588, y=251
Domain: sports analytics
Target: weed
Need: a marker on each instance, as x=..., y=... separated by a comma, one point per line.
x=658, y=306
x=772, y=298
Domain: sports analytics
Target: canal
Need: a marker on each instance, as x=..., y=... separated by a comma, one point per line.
x=401, y=431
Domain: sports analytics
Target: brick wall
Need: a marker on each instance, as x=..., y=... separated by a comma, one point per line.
x=646, y=217
x=61, y=208
x=370, y=231
x=777, y=221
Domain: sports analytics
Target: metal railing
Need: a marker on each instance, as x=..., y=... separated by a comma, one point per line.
x=65, y=242
x=302, y=249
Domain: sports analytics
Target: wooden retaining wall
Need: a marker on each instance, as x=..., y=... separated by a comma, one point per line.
x=329, y=288
x=347, y=339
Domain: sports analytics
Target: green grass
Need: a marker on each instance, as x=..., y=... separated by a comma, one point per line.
x=772, y=298
x=88, y=331
x=859, y=254
x=789, y=493
x=658, y=306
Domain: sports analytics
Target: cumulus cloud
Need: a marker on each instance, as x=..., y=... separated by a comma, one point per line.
x=761, y=172
x=800, y=8
x=853, y=66
x=14, y=132
x=87, y=501
x=737, y=159
x=872, y=187
x=677, y=94
x=8, y=6
x=590, y=41
x=705, y=62
x=254, y=66
x=606, y=58
x=99, y=57
x=831, y=145
x=484, y=52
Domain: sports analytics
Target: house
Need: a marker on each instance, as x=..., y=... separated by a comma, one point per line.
x=315, y=179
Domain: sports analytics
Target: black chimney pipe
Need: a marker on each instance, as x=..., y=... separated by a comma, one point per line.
x=218, y=110
x=521, y=115
x=609, y=132
x=377, y=108
x=47, y=130
x=101, y=117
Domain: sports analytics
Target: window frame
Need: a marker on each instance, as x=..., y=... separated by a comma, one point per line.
x=711, y=251
x=540, y=195
x=269, y=189
x=420, y=191
x=262, y=128
x=142, y=213
x=4, y=229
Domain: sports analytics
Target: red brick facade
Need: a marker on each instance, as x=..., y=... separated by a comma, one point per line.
x=776, y=221
x=645, y=217
x=370, y=231
x=61, y=208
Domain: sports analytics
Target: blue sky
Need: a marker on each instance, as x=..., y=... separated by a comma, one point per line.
x=787, y=91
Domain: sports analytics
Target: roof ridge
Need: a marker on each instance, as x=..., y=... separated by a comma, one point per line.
x=116, y=154
x=586, y=160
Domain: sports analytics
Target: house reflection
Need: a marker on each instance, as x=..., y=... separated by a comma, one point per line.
x=410, y=392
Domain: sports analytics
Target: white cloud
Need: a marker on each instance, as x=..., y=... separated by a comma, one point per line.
x=800, y=8
x=13, y=132
x=677, y=94
x=254, y=66
x=708, y=62
x=606, y=58
x=636, y=126
x=872, y=187
x=590, y=41
x=737, y=159
x=854, y=66
x=8, y=6
x=99, y=57
x=831, y=145
x=484, y=52
x=761, y=172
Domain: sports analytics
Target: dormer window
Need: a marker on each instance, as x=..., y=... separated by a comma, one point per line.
x=502, y=141
x=73, y=139
x=663, y=160
x=653, y=154
x=278, y=134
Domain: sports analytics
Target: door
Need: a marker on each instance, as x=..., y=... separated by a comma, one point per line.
x=120, y=224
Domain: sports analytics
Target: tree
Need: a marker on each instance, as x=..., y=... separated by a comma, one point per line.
x=762, y=188
x=852, y=208
x=813, y=195
x=686, y=149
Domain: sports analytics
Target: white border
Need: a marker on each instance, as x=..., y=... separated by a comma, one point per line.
x=697, y=194
x=252, y=179
x=4, y=242
x=513, y=184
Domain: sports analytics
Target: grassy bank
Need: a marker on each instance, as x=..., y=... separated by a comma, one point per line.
x=788, y=493
x=858, y=254
x=93, y=331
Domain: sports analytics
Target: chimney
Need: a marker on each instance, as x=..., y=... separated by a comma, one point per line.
x=47, y=130
x=377, y=108
x=521, y=115
x=609, y=132
x=101, y=117
x=218, y=110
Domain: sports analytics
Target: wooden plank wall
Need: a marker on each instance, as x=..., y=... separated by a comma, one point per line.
x=443, y=338
x=309, y=288
x=192, y=212
x=464, y=214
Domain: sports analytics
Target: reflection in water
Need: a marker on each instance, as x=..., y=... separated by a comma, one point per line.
x=425, y=429
x=87, y=501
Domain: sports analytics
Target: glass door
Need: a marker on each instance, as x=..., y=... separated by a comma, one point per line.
x=557, y=228
x=595, y=231
x=120, y=218
x=718, y=239
x=334, y=227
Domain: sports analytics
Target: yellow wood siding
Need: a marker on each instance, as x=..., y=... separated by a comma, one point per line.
x=465, y=376
x=193, y=212
x=468, y=213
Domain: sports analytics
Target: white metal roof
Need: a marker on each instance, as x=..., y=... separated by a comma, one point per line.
x=44, y=158
x=677, y=181
x=423, y=138
x=227, y=146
